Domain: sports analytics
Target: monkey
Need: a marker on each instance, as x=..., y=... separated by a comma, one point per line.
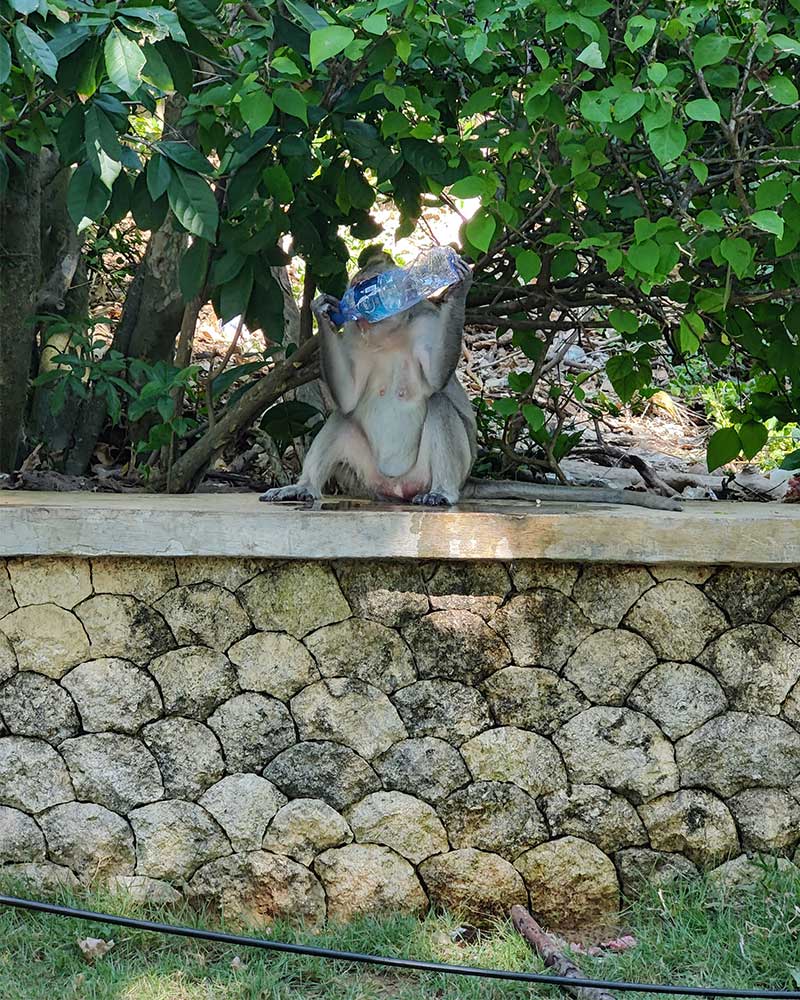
x=403, y=428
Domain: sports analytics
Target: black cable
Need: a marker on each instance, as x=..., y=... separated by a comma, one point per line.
x=220, y=937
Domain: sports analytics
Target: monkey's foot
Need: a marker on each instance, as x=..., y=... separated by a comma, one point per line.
x=432, y=500
x=283, y=494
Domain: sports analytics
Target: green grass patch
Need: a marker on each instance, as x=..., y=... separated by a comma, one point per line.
x=687, y=934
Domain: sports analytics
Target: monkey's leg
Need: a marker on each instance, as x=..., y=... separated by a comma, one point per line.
x=340, y=442
x=445, y=449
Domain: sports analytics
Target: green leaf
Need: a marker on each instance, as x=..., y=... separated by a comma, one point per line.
x=639, y=31
x=35, y=48
x=753, y=436
x=785, y=44
x=529, y=264
x=192, y=269
x=103, y=151
x=402, y=46
x=644, y=256
x=628, y=105
x=626, y=376
x=703, y=111
x=782, y=90
x=475, y=46
x=768, y=222
x=595, y=106
x=667, y=143
x=700, y=170
x=534, y=416
x=723, y=447
x=738, y=253
x=292, y=102
x=193, y=202
x=770, y=193
x=256, y=109
x=792, y=462
x=328, y=42
x=124, y=61
x=468, y=187
x=690, y=333
x=87, y=197
x=159, y=175
x=375, y=24
x=185, y=156
x=24, y=6
x=710, y=50
x=156, y=72
x=480, y=229
x=359, y=190
x=235, y=294
x=710, y=220
x=505, y=407
x=306, y=15
x=278, y=184
x=592, y=56
x=5, y=60
x=623, y=321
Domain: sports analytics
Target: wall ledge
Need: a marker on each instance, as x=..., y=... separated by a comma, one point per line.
x=237, y=525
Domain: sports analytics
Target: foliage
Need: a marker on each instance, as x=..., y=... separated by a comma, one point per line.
x=637, y=166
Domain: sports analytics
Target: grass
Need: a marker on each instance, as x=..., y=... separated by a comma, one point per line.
x=687, y=934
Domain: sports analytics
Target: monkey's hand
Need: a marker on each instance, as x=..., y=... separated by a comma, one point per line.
x=322, y=307
x=460, y=287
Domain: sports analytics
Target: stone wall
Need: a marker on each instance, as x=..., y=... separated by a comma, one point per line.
x=311, y=739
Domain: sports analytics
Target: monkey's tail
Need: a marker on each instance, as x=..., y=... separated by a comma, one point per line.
x=508, y=489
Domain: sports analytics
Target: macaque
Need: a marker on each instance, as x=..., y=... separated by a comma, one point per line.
x=403, y=428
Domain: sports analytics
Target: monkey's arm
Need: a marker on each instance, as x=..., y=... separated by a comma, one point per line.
x=506, y=489
x=438, y=348
x=338, y=369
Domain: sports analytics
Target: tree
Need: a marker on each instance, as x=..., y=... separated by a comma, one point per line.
x=637, y=169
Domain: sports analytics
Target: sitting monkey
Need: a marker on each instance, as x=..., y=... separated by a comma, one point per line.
x=404, y=428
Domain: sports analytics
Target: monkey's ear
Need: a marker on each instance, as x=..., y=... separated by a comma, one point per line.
x=373, y=254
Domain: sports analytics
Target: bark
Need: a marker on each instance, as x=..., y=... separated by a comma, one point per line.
x=20, y=267
x=302, y=367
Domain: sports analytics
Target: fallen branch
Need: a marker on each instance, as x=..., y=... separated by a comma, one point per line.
x=562, y=965
x=301, y=367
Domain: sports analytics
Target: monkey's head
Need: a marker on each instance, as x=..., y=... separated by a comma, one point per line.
x=371, y=261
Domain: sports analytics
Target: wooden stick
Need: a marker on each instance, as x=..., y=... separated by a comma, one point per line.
x=543, y=944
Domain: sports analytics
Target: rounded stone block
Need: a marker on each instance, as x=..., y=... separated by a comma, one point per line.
x=7, y=600
x=21, y=839
x=457, y=645
x=273, y=663
x=787, y=618
x=117, y=772
x=46, y=639
x=573, y=884
x=641, y=869
x=144, y=579
x=203, y=614
x=677, y=619
x=94, y=842
x=407, y=825
x=174, y=838
x=619, y=749
x=605, y=593
x=768, y=819
x=476, y=885
x=257, y=889
x=243, y=805
x=141, y=889
x=533, y=698
x=594, y=813
x=8, y=659
x=365, y=650
x=34, y=705
x=188, y=754
x=113, y=694
x=32, y=775
x=682, y=571
x=750, y=594
x=445, y=709
x=679, y=697
x=427, y=768
x=477, y=587
x=530, y=574
x=391, y=593
x=366, y=880
x=123, y=627
x=227, y=573
x=693, y=823
x=193, y=680
x=743, y=873
x=736, y=751
x=304, y=828
x=42, y=878
x=508, y=754
x=756, y=665
x=542, y=628
x=348, y=711
x=606, y=666
x=252, y=730
x=321, y=770
x=493, y=816
x=294, y=598
x=50, y=580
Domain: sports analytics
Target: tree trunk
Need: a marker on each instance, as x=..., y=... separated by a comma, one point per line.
x=20, y=268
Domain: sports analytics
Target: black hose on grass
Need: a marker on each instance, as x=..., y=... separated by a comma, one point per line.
x=242, y=941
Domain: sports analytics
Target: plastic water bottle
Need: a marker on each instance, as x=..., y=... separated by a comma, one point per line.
x=399, y=288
